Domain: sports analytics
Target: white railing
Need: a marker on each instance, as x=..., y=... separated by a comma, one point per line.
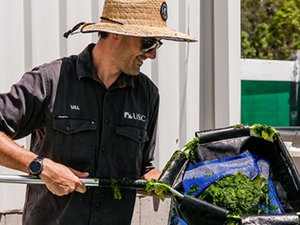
x=270, y=70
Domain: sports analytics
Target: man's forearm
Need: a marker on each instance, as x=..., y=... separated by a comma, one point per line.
x=59, y=179
x=14, y=156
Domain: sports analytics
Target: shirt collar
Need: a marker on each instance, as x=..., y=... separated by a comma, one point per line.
x=85, y=68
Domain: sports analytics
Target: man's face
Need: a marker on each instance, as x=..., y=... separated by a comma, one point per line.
x=133, y=52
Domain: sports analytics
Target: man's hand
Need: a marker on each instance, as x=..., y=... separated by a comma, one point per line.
x=152, y=174
x=61, y=180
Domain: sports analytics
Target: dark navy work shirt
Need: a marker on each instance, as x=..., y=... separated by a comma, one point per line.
x=74, y=120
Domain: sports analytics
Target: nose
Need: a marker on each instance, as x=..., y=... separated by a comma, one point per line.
x=151, y=54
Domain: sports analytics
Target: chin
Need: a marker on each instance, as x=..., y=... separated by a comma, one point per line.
x=132, y=73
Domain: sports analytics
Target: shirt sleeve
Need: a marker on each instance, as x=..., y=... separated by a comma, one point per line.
x=21, y=109
x=149, y=149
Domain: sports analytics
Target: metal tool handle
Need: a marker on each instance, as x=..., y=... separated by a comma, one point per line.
x=89, y=182
x=27, y=179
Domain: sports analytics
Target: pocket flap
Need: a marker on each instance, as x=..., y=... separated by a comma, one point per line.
x=137, y=134
x=71, y=126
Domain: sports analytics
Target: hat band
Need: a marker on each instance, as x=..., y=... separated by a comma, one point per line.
x=77, y=29
x=110, y=20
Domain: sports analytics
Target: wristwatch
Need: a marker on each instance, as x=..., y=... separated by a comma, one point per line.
x=36, y=166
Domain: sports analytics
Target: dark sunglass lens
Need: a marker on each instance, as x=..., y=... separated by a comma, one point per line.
x=148, y=43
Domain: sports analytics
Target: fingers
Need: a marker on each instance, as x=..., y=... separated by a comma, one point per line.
x=65, y=186
x=79, y=173
x=61, y=180
x=152, y=174
x=59, y=191
x=80, y=188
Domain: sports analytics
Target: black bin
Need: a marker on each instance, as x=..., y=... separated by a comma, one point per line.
x=230, y=141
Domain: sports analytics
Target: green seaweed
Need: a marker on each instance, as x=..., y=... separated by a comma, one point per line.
x=116, y=189
x=238, y=194
x=158, y=188
x=263, y=131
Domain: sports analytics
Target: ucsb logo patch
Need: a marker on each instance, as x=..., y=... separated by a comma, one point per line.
x=135, y=116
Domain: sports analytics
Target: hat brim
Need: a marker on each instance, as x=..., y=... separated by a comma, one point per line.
x=138, y=31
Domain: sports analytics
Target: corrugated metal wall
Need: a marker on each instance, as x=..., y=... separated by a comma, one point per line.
x=31, y=34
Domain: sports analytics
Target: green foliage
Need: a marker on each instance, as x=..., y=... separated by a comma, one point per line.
x=238, y=194
x=193, y=188
x=115, y=186
x=264, y=131
x=270, y=29
x=158, y=188
x=188, y=149
x=186, y=152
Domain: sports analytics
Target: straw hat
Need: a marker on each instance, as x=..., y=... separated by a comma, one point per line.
x=141, y=18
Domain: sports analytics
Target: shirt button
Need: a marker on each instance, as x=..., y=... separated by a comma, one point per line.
x=68, y=128
x=106, y=121
x=97, y=205
x=103, y=148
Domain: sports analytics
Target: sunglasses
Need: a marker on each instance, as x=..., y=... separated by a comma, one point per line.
x=149, y=44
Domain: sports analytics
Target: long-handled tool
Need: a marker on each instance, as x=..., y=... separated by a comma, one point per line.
x=193, y=210
x=27, y=179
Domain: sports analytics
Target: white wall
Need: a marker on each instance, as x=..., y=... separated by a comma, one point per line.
x=220, y=63
x=12, y=65
x=31, y=34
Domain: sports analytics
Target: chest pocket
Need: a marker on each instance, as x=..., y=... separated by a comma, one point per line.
x=136, y=134
x=128, y=145
x=74, y=142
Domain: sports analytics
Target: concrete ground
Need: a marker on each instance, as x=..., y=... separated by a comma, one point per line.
x=148, y=211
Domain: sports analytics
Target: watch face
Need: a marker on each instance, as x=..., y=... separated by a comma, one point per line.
x=35, y=167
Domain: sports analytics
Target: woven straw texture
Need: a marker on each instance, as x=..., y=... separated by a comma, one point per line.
x=142, y=18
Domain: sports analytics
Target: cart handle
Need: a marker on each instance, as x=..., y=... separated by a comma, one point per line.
x=223, y=133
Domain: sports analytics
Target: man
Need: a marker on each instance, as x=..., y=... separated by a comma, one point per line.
x=91, y=115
